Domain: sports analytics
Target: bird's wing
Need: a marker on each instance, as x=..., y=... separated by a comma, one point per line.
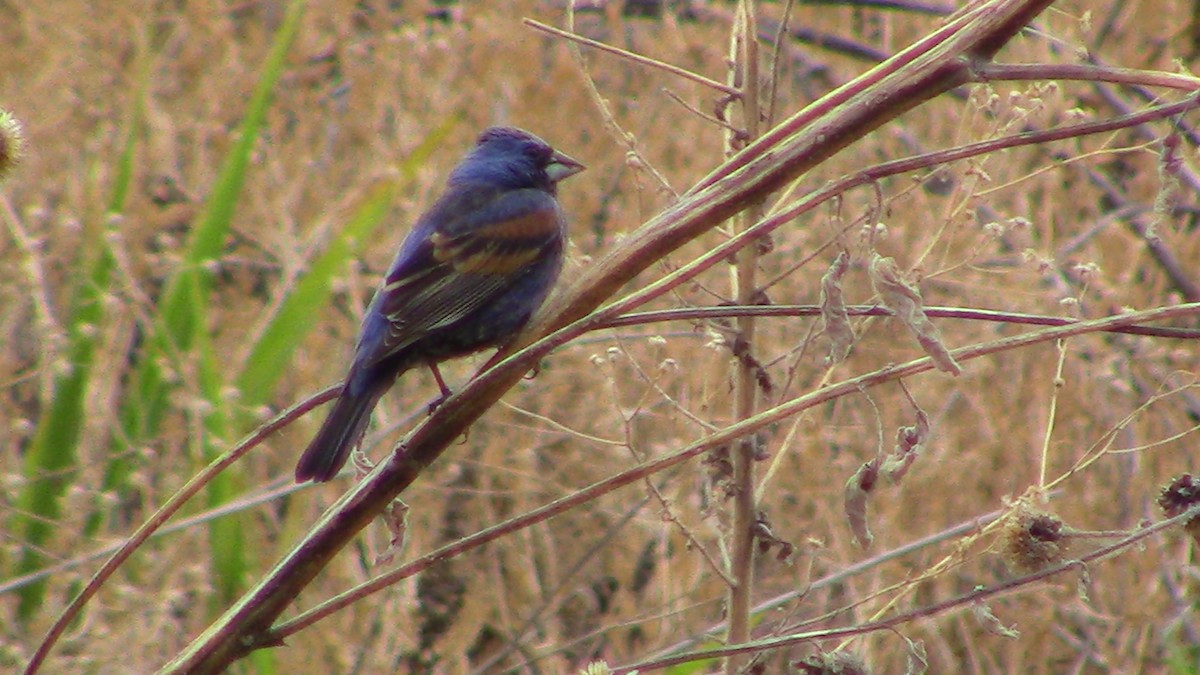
x=463, y=254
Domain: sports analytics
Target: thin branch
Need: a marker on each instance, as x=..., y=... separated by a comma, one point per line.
x=636, y=58
x=725, y=436
x=790, y=311
x=934, y=65
x=989, y=72
x=164, y=513
x=891, y=623
x=744, y=59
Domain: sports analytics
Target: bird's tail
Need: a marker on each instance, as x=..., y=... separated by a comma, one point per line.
x=342, y=430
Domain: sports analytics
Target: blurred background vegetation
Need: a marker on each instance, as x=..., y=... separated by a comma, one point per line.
x=187, y=256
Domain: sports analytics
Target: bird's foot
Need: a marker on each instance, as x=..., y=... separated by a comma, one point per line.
x=437, y=402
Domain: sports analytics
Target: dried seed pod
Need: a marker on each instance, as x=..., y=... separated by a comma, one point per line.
x=1033, y=540
x=1178, y=496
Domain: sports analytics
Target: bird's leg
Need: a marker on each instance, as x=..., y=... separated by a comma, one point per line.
x=437, y=375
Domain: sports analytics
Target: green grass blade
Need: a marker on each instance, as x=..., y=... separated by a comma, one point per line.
x=272, y=353
x=186, y=308
x=53, y=452
x=183, y=307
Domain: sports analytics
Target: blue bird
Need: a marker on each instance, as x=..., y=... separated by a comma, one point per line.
x=468, y=276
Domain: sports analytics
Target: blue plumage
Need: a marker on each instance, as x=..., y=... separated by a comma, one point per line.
x=468, y=276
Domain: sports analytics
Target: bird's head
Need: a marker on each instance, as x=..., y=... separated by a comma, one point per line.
x=516, y=159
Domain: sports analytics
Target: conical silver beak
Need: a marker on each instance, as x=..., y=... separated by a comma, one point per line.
x=562, y=166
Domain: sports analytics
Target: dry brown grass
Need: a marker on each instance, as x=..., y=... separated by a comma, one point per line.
x=621, y=577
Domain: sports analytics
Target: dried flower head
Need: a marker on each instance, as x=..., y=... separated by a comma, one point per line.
x=1033, y=540
x=12, y=143
x=1178, y=496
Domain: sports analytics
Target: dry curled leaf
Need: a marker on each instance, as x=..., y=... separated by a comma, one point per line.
x=767, y=540
x=396, y=519
x=909, y=443
x=834, y=318
x=858, y=488
x=918, y=660
x=906, y=303
x=992, y=624
x=1084, y=586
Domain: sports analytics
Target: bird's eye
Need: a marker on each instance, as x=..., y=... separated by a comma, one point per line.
x=540, y=154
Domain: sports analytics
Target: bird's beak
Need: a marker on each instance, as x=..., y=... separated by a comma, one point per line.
x=561, y=166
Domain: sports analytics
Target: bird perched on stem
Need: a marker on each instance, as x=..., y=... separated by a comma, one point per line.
x=468, y=276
